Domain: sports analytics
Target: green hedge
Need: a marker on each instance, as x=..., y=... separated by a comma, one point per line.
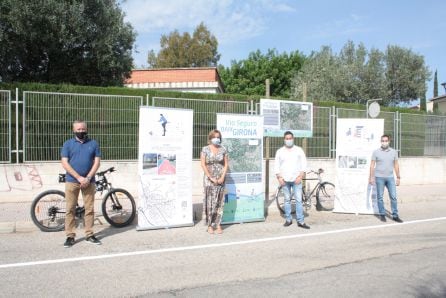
x=68, y=88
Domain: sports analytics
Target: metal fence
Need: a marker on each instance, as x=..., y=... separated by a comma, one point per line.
x=112, y=120
x=422, y=135
x=44, y=123
x=5, y=126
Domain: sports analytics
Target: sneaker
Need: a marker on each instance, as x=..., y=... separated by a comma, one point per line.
x=287, y=223
x=397, y=219
x=93, y=240
x=303, y=225
x=382, y=218
x=69, y=242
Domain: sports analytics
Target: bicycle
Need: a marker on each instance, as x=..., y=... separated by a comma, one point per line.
x=48, y=209
x=324, y=192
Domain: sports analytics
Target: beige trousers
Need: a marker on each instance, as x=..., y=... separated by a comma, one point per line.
x=71, y=195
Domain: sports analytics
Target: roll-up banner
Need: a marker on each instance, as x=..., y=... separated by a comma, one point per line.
x=356, y=139
x=242, y=135
x=165, y=168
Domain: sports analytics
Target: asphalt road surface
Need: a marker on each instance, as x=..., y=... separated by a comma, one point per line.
x=342, y=255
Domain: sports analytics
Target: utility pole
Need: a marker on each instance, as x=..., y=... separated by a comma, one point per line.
x=267, y=144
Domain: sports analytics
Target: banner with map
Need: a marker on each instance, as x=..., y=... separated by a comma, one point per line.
x=356, y=139
x=165, y=168
x=282, y=115
x=242, y=136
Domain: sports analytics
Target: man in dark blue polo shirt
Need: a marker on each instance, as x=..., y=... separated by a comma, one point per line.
x=81, y=158
x=384, y=162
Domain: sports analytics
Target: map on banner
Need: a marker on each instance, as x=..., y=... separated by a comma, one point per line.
x=281, y=115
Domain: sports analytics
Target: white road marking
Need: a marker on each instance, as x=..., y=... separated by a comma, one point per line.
x=196, y=247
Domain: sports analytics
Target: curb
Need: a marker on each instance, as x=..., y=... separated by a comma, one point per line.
x=7, y=227
x=22, y=226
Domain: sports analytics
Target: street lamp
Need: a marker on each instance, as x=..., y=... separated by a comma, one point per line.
x=444, y=86
x=373, y=109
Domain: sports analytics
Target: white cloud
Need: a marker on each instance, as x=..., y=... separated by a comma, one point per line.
x=354, y=24
x=229, y=20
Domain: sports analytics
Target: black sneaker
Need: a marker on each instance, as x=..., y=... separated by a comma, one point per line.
x=397, y=219
x=69, y=242
x=382, y=218
x=287, y=223
x=93, y=240
x=303, y=225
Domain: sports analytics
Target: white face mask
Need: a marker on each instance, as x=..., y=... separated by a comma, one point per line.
x=289, y=143
x=215, y=141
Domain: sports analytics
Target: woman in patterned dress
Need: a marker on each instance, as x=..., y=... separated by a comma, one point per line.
x=214, y=162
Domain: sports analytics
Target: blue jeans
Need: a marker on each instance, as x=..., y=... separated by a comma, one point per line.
x=297, y=195
x=388, y=182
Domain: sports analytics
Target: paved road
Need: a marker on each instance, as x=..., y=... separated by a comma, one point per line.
x=343, y=255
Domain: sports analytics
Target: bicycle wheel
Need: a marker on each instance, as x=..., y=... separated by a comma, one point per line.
x=280, y=201
x=48, y=211
x=118, y=208
x=325, y=197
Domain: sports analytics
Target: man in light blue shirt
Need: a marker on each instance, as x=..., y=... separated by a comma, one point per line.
x=384, y=163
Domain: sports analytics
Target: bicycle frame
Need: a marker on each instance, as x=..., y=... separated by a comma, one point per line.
x=306, y=194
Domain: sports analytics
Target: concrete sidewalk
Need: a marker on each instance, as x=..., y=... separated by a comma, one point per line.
x=15, y=217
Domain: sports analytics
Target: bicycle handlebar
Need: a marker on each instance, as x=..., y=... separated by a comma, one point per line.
x=318, y=172
x=110, y=170
x=99, y=174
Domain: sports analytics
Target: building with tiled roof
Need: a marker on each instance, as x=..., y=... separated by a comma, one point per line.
x=441, y=103
x=200, y=79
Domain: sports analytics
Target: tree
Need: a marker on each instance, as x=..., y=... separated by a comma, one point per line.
x=435, y=84
x=357, y=74
x=321, y=74
x=406, y=75
x=184, y=50
x=354, y=75
x=248, y=76
x=52, y=41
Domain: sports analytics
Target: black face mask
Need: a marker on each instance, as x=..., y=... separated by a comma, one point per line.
x=81, y=135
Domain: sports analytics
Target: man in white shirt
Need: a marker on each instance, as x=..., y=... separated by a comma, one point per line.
x=289, y=166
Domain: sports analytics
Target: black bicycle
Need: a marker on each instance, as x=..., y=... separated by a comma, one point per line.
x=48, y=209
x=324, y=192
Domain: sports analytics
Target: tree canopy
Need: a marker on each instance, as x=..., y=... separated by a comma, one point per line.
x=248, y=76
x=53, y=41
x=356, y=74
x=184, y=50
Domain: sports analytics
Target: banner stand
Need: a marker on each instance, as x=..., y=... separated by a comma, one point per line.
x=242, y=136
x=165, y=168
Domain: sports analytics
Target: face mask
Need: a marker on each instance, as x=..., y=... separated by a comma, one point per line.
x=384, y=145
x=81, y=135
x=289, y=143
x=215, y=141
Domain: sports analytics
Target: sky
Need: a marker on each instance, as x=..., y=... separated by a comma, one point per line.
x=244, y=26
